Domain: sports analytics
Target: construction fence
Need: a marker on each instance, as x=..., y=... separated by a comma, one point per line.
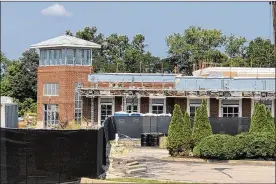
x=134, y=126
x=51, y=156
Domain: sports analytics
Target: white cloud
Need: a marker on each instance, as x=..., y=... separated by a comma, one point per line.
x=56, y=10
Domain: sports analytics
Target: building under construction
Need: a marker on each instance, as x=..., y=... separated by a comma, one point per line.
x=69, y=90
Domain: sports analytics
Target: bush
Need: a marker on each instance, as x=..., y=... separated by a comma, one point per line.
x=270, y=122
x=179, y=134
x=259, y=122
x=202, y=127
x=244, y=145
x=257, y=145
x=217, y=146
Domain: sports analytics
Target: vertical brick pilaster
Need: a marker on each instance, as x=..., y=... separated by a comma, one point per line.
x=214, y=107
x=144, y=105
x=246, y=107
x=118, y=103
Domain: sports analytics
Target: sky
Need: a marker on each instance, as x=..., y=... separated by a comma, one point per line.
x=27, y=23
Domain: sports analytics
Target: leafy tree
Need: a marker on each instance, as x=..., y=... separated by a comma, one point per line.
x=196, y=44
x=235, y=46
x=26, y=106
x=202, y=127
x=178, y=134
x=260, y=53
x=4, y=64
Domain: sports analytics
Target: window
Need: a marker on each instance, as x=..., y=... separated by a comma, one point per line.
x=157, y=106
x=78, y=57
x=194, y=105
x=106, y=108
x=70, y=56
x=230, y=108
x=50, y=112
x=131, y=106
x=41, y=58
x=193, y=108
x=50, y=89
x=87, y=56
x=78, y=102
x=46, y=56
x=52, y=59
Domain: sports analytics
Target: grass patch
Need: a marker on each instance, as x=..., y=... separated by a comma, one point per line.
x=141, y=180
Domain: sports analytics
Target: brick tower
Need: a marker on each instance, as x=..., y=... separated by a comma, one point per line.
x=64, y=64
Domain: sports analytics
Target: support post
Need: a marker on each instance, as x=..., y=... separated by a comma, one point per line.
x=92, y=111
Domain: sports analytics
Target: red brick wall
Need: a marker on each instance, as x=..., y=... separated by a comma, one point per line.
x=246, y=107
x=144, y=106
x=66, y=77
x=118, y=103
x=214, y=107
x=169, y=104
x=182, y=102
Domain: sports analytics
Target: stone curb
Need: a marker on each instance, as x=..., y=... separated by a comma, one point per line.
x=199, y=160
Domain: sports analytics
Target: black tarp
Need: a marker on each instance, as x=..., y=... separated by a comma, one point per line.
x=134, y=126
x=51, y=156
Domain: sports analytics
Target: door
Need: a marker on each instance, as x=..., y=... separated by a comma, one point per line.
x=106, y=111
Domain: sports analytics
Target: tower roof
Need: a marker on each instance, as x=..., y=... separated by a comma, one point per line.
x=66, y=41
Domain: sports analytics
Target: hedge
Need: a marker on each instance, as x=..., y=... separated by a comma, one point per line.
x=245, y=145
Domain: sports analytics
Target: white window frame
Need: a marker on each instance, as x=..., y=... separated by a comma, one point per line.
x=160, y=98
x=193, y=105
x=226, y=105
x=223, y=105
x=79, y=101
x=107, y=103
x=126, y=104
x=196, y=98
x=51, y=89
x=52, y=123
x=272, y=106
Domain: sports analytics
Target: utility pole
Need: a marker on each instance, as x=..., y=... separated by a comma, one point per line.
x=273, y=4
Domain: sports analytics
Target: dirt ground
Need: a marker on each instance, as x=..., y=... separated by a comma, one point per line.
x=188, y=171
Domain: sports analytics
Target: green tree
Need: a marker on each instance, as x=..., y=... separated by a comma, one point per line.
x=235, y=46
x=26, y=106
x=177, y=133
x=260, y=53
x=259, y=121
x=23, y=77
x=196, y=44
x=202, y=127
x=270, y=122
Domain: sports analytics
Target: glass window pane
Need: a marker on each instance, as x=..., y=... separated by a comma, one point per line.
x=57, y=57
x=52, y=61
x=70, y=56
x=224, y=109
x=236, y=109
x=154, y=108
x=63, y=56
x=230, y=109
x=85, y=57
x=78, y=57
x=47, y=56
